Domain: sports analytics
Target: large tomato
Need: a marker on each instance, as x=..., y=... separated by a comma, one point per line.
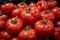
x=52, y=3
x=57, y=34
x=27, y=34
x=7, y=8
x=44, y=27
x=14, y=25
x=42, y=5
x=48, y=15
x=30, y=14
x=22, y=5
x=2, y=24
x=58, y=24
x=5, y=35
x=3, y=16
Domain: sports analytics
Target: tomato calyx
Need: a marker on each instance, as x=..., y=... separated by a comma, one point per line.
x=47, y=11
x=27, y=28
x=50, y=0
x=44, y=21
x=28, y=10
x=0, y=13
x=14, y=21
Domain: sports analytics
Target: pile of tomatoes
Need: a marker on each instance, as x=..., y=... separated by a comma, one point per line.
x=34, y=21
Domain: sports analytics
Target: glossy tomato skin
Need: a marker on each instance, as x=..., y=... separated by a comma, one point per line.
x=56, y=12
x=44, y=29
x=5, y=35
x=15, y=13
x=52, y=4
x=32, y=4
x=58, y=24
x=29, y=34
x=49, y=15
x=15, y=38
x=42, y=5
x=2, y=24
x=30, y=15
x=7, y=8
x=57, y=33
x=22, y=5
x=14, y=25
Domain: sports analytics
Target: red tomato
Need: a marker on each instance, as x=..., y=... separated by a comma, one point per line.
x=14, y=25
x=22, y=5
x=15, y=13
x=2, y=24
x=27, y=34
x=7, y=8
x=52, y=3
x=3, y=16
x=57, y=34
x=48, y=15
x=32, y=4
x=44, y=27
x=56, y=12
x=42, y=5
x=15, y=38
x=30, y=15
x=58, y=24
x=5, y=35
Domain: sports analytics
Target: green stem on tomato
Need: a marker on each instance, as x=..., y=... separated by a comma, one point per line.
x=28, y=9
x=27, y=28
x=44, y=21
x=47, y=11
x=14, y=21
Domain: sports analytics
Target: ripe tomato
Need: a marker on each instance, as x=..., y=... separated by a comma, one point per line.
x=27, y=34
x=5, y=35
x=30, y=15
x=44, y=27
x=14, y=25
x=32, y=4
x=7, y=8
x=3, y=16
x=42, y=5
x=15, y=38
x=57, y=34
x=58, y=24
x=56, y=12
x=52, y=3
x=2, y=24
x=48, y=15
x=22, y=5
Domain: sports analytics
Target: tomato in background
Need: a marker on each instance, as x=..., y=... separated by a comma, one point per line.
x=57, y=33
x=42, y=5
x=32, y=4
x=30, y=14
x=52, y=3
x=15, y=38
x=48, y=15
x=56, y=12
x=27, y=34
x=5, y=35
x=44, y=27
x=14, y=25
x=3, y=16
x=58, y=24
x=22, y=5
x=2, y=24
x=7, y=8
